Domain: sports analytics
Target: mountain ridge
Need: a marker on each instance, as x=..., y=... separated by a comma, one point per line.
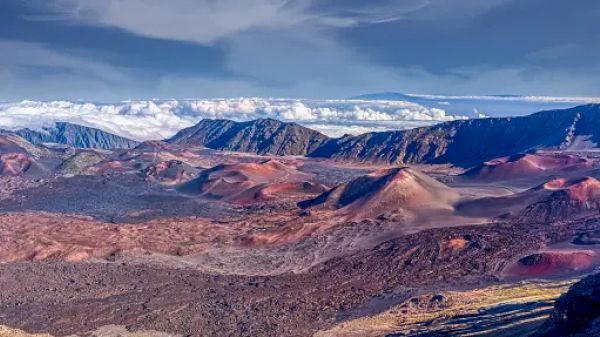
x=460, y=142
x=75, y=135
x=261, y=136
x=469, y=142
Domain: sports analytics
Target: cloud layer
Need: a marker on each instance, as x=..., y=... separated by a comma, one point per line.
x=143, y=120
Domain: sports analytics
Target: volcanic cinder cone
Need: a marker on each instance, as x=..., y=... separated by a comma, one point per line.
x=251, y=182
x=170, y=172
x=527, y=165
x=396, y=190
x=561, y=199
x=15, y=157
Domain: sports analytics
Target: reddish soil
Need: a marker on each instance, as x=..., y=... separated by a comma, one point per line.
x=245, y=183
x=47, y=236
x=172, y=172
x=585, y=189
x=557, y=199
x=109, y=243
x=402, y=191
x=108, y=167
x=553, y=263
x=15, y=163
x=528, y=165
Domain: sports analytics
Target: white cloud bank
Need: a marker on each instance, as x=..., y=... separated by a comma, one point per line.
x=159, y=119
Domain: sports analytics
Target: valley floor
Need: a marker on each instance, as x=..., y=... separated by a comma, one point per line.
x=163, y=240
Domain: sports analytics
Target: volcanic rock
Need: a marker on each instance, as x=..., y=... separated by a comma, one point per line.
x=553, y=263
x=577, y=312
x=469, y=142
x=170, y=172
x=80, y=162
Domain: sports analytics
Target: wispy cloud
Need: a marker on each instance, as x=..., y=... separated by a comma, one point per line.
x=24, y=55
x=207, y=21
x=201, y=21
x=34, y=70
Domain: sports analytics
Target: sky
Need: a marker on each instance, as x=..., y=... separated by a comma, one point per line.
x=111, y=50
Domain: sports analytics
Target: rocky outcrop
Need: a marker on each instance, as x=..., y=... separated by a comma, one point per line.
x=80, y=162
x=170, y=172
x=577, y=312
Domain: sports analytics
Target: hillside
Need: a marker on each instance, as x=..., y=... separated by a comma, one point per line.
x=245, y=183
x=262, y=136
x=401, y=191
x=468, y=142
x=77, y=136
x=462, y=142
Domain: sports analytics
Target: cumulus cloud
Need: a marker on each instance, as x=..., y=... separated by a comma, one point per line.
x=143, y=120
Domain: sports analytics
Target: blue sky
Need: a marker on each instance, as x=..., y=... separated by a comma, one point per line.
x=134, y=49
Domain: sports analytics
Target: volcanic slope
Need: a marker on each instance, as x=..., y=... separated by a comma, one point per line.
x=556, y=200
x=170, y=172
x=156, y=160
x=18, y=157
x=400, y=192
x=564, y=199
x=262, y=136
x=449, y=142
x=469, y=142
x=252, y=182
x=553, y=263
x=577, y=312
x=527, y=165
